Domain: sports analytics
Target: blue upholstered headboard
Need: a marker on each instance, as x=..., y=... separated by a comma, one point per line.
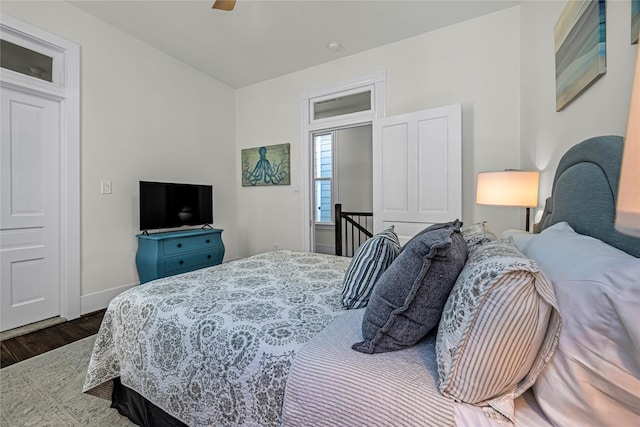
x=585, y=190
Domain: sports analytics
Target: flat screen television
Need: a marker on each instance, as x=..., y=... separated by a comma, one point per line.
x=172, y=205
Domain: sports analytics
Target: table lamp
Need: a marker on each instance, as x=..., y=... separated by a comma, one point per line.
x=628, y=203
x=508, y=188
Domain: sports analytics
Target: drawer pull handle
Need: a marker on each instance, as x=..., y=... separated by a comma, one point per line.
x=208, y=256
x=179, y=245
x=181, y=262
x=208, y=241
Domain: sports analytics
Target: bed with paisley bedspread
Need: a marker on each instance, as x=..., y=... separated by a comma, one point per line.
x=214, y=346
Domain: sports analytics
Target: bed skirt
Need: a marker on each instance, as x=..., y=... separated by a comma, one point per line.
x=139, y=410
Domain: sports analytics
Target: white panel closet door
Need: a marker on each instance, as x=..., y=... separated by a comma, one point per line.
x=417, y=163
x=29, y=210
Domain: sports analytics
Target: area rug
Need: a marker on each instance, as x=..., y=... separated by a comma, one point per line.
x=46, y=390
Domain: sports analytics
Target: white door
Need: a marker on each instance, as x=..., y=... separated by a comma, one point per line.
x=29, y=209
x=417, y=163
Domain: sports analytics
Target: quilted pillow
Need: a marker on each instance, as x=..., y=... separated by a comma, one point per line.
x=407, y=300
x=369, y=262
x=499, y=328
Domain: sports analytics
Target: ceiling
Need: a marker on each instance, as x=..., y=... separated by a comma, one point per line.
x=263, y=39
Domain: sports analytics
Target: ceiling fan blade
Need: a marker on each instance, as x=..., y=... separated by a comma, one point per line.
x=224, y=4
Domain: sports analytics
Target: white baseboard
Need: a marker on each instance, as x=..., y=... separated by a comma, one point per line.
x=100, y=300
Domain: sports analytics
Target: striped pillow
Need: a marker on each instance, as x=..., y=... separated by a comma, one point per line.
x=367, y=265
x=499, y=328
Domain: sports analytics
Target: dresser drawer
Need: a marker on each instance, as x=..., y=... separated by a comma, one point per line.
x=181, y=245
x=190, y=261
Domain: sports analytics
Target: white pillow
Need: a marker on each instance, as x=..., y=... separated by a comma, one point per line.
x=594, y=377
x=521, y=238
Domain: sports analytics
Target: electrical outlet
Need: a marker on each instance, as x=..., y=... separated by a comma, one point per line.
x=105, y=187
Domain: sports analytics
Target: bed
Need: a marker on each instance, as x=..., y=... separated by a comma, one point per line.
x=266, y=340
x=213, y=347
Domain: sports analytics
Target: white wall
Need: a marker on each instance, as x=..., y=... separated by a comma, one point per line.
x=475, y=63
x=144, y=116
x=601, y=110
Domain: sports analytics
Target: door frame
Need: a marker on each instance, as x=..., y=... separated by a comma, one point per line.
x=65, y=88
x=376, y=82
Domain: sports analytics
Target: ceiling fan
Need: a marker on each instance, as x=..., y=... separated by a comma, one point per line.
x=224, y=4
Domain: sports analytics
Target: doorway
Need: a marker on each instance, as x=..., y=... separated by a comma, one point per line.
x=351, y=104
x=342, y=173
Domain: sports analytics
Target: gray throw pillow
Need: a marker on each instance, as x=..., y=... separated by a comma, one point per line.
x=451, y=224
x=408, y=299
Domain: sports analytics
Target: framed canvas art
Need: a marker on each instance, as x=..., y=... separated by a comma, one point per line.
x=579, y=48
x=266, y=165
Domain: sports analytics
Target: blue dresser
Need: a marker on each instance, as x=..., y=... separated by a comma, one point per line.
x=165, y=254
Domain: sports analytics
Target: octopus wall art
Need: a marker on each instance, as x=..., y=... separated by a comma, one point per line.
x=267, y=165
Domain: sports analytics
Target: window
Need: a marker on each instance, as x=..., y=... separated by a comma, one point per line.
x=341, y=105
x=26, y=61
x=323, y=177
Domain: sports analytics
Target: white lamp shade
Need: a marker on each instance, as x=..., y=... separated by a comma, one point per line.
x=628, y=204
x=508, y=188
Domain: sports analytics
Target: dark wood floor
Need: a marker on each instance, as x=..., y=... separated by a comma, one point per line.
x=23, y=347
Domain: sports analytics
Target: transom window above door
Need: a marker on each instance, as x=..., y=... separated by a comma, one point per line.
x=352, y=103
x=26, y=61
x=342, y=105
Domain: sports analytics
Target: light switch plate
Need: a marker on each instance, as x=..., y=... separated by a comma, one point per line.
x=105, y=187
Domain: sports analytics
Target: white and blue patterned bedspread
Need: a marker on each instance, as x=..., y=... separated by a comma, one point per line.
x=214, y=346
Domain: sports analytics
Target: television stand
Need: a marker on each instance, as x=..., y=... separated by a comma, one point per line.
x=166, y=254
